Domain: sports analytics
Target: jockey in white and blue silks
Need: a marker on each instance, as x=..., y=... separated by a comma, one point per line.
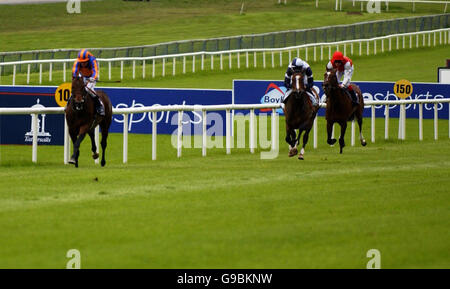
x=298, y=65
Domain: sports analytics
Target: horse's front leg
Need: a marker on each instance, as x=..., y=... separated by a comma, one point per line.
x=341, y=138
x=291, y=140
x=330, y=141
x=76, y=146
x=305, y=141
x=95, y=154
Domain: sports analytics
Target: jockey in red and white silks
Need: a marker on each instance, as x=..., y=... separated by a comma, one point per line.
x=344, y=69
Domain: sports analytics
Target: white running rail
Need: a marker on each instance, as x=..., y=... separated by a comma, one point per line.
x=229, y=108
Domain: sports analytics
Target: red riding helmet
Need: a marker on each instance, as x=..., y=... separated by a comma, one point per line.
x=338, y=56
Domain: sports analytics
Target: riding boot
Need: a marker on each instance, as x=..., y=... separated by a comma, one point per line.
x=99, y=107
x=355, y=100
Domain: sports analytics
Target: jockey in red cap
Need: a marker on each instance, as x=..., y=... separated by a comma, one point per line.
x=87, y=67
x=344, y=68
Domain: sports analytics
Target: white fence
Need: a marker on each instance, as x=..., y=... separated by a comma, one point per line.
x=308, y=52
x=229, y=108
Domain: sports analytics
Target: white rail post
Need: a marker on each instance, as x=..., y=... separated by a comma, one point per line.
x=273, y=59
x=238, y=60
x=35, y=137
x=121, y=69
x=420, y=121
x=14, y=75
x=254, y=59
x=435, y=121
x=246, y=59
x=143, y=69
x=321, y=52
x=125, y=138
x=163, y=67
x=372, y=125
x=274, y=138
x=179, y=133
x=264, y=59
x=50, y=72
x=404, y=122
x=109, y=70
x=252, y=131
x=40, y=73
x=230, y=61
x=64, y=72
x=134, y=69
x=315, y=132
x=386, y=122
x=97, y=142
x=228, y=131
x=154, y=135
x=28, y=73
x=221, y=61
x=154, y=68
x=212, y=61
x=66, y=142
x=174, y=65
x=352, y=141
x=193, y=63
x=203, y=62
x=281, y=58
x=400, y=122
x=184, y=64
x=204, y=137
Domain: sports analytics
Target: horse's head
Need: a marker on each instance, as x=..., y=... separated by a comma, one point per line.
x=78, y=93
x=298, y=84
x=330, y=80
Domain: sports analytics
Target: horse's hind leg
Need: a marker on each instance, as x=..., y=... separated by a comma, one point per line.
x=104, y=143
x=360, y=119
x=330, y=141
x=341, y=138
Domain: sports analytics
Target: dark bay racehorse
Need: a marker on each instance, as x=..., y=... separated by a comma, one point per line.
x=340, y=108
x=299, y=114
x=82, y=118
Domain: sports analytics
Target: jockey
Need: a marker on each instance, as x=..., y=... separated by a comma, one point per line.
x=87, y=67
x=298, y=65
x=344, y=68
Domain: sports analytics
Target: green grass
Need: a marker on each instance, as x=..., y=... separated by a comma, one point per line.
x=115, y=23
x=223, y=211
x=230, y=211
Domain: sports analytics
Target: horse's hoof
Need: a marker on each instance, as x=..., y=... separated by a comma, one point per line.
x=363, y=143
x=293, y=152
x=331, y=141
x=300, y=157
x=72, y=161
x=103, y=162
x=95, y=156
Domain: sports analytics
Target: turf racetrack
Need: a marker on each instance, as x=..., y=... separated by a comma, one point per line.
x=231, y=211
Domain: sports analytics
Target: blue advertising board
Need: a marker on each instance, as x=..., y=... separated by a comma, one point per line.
x=16, y=129
x=267, y=91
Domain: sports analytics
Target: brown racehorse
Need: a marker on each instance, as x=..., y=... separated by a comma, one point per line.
x=299, y=114
x=82, y=118
x=340, y=108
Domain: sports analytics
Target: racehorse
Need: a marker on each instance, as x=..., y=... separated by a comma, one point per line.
x=340, y=108
x=299, y=114
x=82, y=118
